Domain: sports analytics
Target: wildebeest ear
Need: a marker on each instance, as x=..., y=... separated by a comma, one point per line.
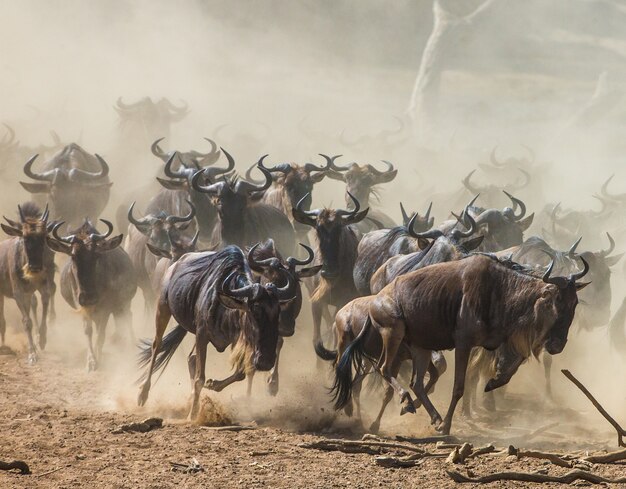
x=231, y=303
x=335, y=175
x=318, y=176
x=36, y=188
x=358, y=217
x=173, y=184
x=525, y=223
x=423, y=243
x=386, y=177
x=309, y=272
x=158, y=251
x=612, y=260
x=472, y=244
x=11, y=231
x=59, y=247
x=111, y=244
x=12, y=223
x=581, y=285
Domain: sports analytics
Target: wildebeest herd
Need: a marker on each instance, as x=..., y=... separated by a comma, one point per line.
x=224, y=256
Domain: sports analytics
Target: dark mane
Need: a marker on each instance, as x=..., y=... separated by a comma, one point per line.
x=31, y=210
x=510, y=264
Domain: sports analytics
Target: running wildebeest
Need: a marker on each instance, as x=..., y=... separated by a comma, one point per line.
x=337, y=243
x=477, y=301
x=76, y=183
x=267, y=263
x=215, y=296
x=99, y=280
x=26, y=267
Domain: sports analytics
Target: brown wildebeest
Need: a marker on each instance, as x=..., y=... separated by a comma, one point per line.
x=337, y=243
x=266, y=262
x=27, y=266
x=99, y=280
x=361, y=182
x=157, y=229
x=215, y=296
x=477, y=301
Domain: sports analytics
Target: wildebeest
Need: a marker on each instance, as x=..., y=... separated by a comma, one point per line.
x=99, y=280
x=266, y=262
x=27, y=266
x=144, y=121
x=337, y=242
x=76, y=183
x=477, y=301
x=361, y=182
x=157, y=229
x=179, y=244
x=492, y=194
x=189, y=159
x=215, y=296
x=376, y=247
x=292, y=183
x=178, y=189
x=242, y=220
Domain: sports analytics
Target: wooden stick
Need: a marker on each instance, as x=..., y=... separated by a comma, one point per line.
x=429, y=439
x=568, y=478
x=337, y=444
x=598, y=406
x=228, y=428
x=552, y=457
x=16, y=464
x=49, y=472
x=606, y=458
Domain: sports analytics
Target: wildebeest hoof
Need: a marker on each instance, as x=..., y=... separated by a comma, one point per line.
x=417, y=403
x=5, y=350
x=272, y=386
x=91, y=365
x=32, y=358
x=374, y=427
x=213, y=385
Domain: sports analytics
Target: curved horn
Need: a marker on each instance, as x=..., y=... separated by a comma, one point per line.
x=467, y=184
x=405, y=217
x=63, y=239
x=124, y=106
x=242, y=292
x=288, y=291
x=248, y=187
x=313, y=213
x=334, y=166
x=310, y=167
x=271, y=262
x=607, y=252
x=577, y=276
x=167, y=169
x=427, y=215
x=525, y=183
x=144, y=221
x=249, y=176
x=389, y=169
x=431, y=234
x=518, y=202
x=108, y=232
x=8, y=139
x=43, y=177
x=76, y=174
x=21, y=213
x=46, y=214
x=194, y=240
x=293, y=262
x=605, y=192
x=572, y=250
x=494, y=160
x=213, y=172
x=469, y=223
x=353, y=212
x=157, y=151
x=212, y=189
x=187, y=218
x=546, y=276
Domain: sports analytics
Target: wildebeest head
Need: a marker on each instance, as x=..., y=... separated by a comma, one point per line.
x=32, y=228
x=178, y=245
x=190, y=159
x=360, y=179
x=232, y=196
x=160, y=228
x=262, y=304
x=265, y=260
x=84, y=246
x=297, y=181
x=559, y=304
x=504, y=227
x=491, y=193
x=330, y=226
x=453, y=243
x=180, y=178
x=419, y=223
x=512, y=162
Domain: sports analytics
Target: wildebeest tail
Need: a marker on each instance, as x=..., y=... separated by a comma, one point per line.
x=171, y=341
x=352, y=356
x=323, y=353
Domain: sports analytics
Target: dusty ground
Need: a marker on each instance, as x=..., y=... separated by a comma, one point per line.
x=60, y=420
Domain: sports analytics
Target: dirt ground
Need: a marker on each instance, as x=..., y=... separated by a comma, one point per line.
x=61, y=421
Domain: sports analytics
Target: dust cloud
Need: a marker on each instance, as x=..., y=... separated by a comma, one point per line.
x=294, y=79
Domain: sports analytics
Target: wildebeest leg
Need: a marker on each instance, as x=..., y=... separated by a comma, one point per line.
x=53, y=312
x=163, y=316
x=91, y=357
x=272, y=380
x=461, y=358
x=43, y=325
x=33, y=307
x=375, y=426
x=421, y=361
x=317, y=309
x=219, y=385
x=101, y=328
x=392, y=335
x=202, y=342
x=3, y=322
x=24, y=304
x=124, y=322
x=547, y=369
